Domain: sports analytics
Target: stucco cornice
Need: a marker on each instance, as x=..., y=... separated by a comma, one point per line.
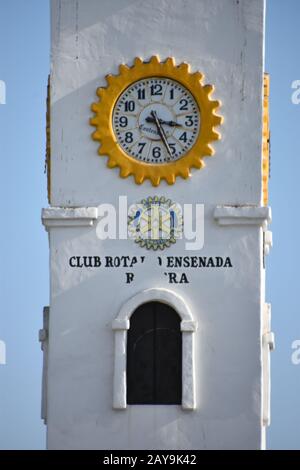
x=243, y=215
x=69, y=217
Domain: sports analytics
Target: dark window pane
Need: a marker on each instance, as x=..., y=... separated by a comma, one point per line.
x=154, y=355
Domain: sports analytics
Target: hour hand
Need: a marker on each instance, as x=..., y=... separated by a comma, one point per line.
x=162, y=121
x=173, y=124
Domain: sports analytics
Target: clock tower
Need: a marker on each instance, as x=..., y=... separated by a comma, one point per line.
x=157, y=335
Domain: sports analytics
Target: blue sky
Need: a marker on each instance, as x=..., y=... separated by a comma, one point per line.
x=283, y=64
x=24, y=66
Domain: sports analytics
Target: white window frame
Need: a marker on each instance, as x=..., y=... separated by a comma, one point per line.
x=188, y=326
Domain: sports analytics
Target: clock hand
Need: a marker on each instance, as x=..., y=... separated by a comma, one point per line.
x=173, y=123
x=161, y=132
x=168, y=123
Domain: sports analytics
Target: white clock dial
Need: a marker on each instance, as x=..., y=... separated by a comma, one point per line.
x=156, y=120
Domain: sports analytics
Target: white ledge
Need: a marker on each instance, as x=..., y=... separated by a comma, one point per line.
x=69, y=217
x=243, y=215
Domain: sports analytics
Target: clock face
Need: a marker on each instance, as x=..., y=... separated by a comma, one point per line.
x=156, y=120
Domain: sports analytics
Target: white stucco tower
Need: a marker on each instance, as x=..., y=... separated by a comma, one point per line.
x=153, y=341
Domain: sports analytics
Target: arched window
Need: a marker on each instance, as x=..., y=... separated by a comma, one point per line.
x=170, y=302
x=154, y=355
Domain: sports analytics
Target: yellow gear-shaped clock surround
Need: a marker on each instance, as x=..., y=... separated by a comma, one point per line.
x=104, y=108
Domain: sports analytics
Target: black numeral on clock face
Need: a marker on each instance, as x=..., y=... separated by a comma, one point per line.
x=141, y=94
x=189, y=122
x=173, y=148
x=183, y=137
x=129, y=106
x=156, y=152
x=184, y=104
x=156, y=90
x=141, y=146
x=123, y=121
x=128, y=137
x=172, y=94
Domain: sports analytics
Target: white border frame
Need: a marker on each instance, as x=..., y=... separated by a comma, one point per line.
x=188, y=326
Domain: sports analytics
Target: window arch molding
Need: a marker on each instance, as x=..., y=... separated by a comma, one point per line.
x=187, y=325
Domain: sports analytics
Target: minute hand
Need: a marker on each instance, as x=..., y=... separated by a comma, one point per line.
x=161, y=132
